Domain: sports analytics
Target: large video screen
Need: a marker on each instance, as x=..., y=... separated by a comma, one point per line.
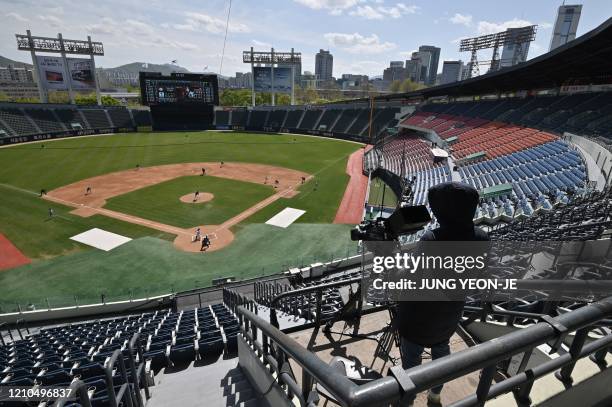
x=179, y=88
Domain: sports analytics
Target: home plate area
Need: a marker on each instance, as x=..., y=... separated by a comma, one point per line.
x=285, y=217
x=101, y=239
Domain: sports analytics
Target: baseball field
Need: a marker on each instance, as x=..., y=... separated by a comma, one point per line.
x=143, y=187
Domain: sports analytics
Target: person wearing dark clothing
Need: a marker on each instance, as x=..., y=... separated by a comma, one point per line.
x=429, y=324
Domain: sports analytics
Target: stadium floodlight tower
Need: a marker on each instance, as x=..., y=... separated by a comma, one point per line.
x=518, y=37
x=62, y=73
x=271, y=78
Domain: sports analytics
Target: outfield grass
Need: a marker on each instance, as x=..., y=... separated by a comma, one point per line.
x=149, y=266
x=161, y=202
x=24, y=219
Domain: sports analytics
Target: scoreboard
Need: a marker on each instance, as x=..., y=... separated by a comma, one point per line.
x=179, y=89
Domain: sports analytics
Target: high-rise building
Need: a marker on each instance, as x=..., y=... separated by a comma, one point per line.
x=395, y=72
x=514, y=53
x=423, y=66
x=434, y=60
x=566, y=25
x=451, y=72
x=324, y=65
x=413, y=69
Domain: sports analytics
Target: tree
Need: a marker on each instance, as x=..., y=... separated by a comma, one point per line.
x=395, y=86
x=90, y=99
x=242, y=97
x=109, y=101
x=58, y=97
x=408, y=86
x=235, y=97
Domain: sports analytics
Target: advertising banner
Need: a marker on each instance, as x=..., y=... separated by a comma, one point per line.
x=52, y=72
x=54, y=75
x=81, y=74
x=263, y=79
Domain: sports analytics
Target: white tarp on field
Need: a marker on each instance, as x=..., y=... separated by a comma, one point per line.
x=101, y=239
x=285, y=217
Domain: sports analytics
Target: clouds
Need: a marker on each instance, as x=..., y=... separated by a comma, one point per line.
x=487, y=27
x=17, y=17
x=484, y=27
x=381, y=12
x=261, y=44
x=463, y=19
x=52, y=21
x=138, y=34
x=358, y=44
x=368, y=9
x=335, y=7
x=204, y=22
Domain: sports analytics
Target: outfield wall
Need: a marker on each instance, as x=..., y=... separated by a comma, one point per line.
x=65, y=134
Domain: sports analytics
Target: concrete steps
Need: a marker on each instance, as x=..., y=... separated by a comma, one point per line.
x=238, y=391
x=587, y=388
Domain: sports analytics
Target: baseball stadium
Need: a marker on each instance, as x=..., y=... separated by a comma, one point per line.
x=183, y=252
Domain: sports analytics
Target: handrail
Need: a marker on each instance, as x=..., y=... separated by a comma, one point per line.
x=117, y=356
x=536, y=372
x=77, y=387
x=135, y=348
x=317, y=288
x=2, y=336
x=379, y=392
x=488, y=353
x=484, y=356
x=314, y=288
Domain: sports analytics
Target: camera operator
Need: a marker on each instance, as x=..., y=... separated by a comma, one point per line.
x=429, y=324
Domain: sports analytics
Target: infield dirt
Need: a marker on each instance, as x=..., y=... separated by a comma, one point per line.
x=103, y=187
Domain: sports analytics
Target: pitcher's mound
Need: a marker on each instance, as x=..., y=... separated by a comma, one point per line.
x=203, y=197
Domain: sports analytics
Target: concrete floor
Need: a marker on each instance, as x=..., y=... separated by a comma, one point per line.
x=191, y=386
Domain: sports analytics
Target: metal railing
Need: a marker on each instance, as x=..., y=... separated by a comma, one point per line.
x=138, y=373
x=317, y=291
x=274, y=347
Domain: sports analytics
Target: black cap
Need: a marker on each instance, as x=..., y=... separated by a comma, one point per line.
x=453, y=203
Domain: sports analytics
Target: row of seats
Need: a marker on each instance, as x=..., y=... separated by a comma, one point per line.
x=540, y=177
x=305, y=305
x=585, y=217
x=549, y=168
x=31, y=120
x=353, y=122
x=582, y=113
x=468, y=137
x=56, y=356
x=409, y=149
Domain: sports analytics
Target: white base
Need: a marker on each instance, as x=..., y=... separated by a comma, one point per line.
x=101, y=239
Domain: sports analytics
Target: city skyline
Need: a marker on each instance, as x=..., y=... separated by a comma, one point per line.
x=362, y=35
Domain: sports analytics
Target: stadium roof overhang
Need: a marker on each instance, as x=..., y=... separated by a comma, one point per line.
x=583, y=61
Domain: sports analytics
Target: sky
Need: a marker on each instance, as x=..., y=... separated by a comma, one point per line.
x=363, y=35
